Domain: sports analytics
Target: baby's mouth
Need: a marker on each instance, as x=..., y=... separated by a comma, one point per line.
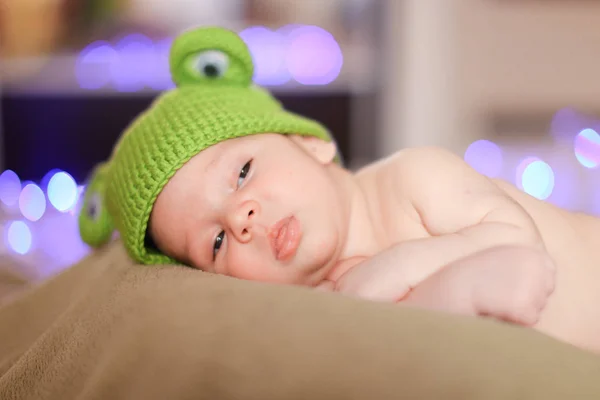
x=284, y=237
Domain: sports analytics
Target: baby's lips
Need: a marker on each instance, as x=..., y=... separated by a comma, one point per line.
x=284, y=237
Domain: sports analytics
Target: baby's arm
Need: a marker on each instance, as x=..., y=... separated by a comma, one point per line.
x=509, y=283
x=463, y=211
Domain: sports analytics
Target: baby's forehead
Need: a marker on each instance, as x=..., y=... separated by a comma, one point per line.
x=211, y=159
x=216, y=152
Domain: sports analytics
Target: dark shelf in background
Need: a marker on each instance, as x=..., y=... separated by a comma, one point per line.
x=74, y=133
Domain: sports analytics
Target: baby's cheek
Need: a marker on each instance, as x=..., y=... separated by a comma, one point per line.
x=244, y=266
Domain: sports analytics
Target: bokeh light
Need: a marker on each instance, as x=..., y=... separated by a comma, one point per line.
x=535, y=177
x=485, y=157
x=313, y=57
x=134, y=63
x=268, y=53
x=587, y=148
x=18, y=237
x=92, y=68
x=10, y=187
x=595, y=209
x=53, y=233
x=308, y=54
x=46, y=179
x=58, y=238
x=159, y=74
x=32, y=202
x=62, y=191
x=566, y=122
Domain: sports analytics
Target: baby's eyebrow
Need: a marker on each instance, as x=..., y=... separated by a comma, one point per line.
x=215, y=162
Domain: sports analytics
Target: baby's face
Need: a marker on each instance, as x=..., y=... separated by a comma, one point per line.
x=262, y=207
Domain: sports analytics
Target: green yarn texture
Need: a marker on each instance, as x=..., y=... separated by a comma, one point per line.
x=214, y=101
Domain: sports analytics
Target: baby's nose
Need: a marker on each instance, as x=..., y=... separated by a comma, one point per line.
x=242, y=220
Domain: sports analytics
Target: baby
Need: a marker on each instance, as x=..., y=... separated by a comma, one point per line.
x=217, y=175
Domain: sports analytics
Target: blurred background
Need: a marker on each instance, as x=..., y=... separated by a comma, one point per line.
x=511, y=86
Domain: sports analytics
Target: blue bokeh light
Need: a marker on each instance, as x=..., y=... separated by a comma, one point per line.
x=18, y=237
x=46, y=179
x=32, y=202
x=62, y=191
x=536, y=178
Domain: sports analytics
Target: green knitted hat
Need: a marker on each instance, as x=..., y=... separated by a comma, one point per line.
x=214, y=100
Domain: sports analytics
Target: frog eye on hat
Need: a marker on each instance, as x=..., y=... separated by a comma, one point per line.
x=210, y=56
x=212, y=64
x=95, y=224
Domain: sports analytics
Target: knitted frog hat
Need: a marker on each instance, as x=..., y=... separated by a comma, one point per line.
x=214, y=100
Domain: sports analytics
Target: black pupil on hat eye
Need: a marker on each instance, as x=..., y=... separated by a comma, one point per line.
x=211, y=70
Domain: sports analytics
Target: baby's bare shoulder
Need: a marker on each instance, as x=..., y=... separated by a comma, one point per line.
x=429, y=166
x=423, y=160
x=444, y=190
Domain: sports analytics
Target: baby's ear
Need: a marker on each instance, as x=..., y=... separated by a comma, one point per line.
x=321, y=150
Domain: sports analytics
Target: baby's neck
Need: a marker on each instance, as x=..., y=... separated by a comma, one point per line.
x=360, y=241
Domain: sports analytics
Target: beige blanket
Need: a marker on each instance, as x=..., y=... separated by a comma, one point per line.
x=106, y=329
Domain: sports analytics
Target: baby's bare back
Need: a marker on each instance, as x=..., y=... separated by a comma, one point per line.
x=573, y=241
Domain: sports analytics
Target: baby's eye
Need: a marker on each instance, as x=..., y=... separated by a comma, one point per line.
x=244, y=173
x=218, y=243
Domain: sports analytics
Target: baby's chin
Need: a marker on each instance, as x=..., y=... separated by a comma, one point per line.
x=311, y=271
x=318, y=254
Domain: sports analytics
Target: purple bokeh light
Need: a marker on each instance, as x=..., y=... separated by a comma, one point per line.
x=268, y=53
x=566, y=123
x=485, y=157
x=308, y=54
x=159, y=73
x=93, y=66
x=596, y=201
x=10, y=187
x=134, y=64
x=32, y=202
x=313, y=56
x=58, y=237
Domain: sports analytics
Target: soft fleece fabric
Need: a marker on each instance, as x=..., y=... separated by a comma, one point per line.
x=108, y=329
